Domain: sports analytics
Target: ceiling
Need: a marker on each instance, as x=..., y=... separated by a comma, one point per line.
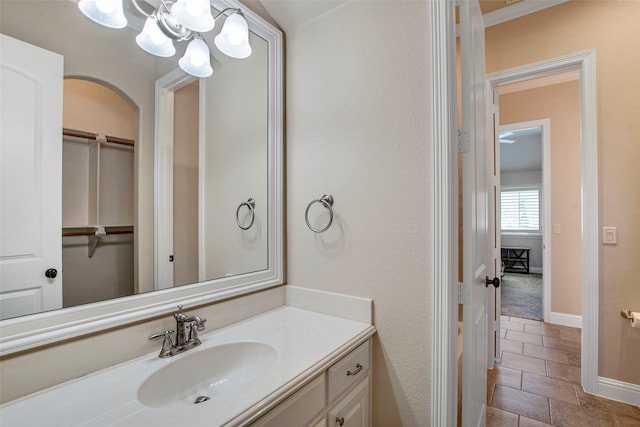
x=525, y=153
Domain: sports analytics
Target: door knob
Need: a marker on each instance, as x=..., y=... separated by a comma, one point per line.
x=495, y=282
x=51, y=273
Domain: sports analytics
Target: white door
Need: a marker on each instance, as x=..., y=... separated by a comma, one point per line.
x=31, y=82
x=477, y=265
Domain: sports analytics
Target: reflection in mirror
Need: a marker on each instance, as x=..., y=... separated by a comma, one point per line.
x=97, y=193
x=221, y=166
x=159, y=210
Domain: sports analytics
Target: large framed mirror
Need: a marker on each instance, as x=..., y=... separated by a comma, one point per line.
x=171, y=185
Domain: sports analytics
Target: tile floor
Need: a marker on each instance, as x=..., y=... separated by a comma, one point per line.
x=537, y=381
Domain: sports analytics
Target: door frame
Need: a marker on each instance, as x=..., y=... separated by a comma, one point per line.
x=584, y=62
x=444, y=192
x=441, y=21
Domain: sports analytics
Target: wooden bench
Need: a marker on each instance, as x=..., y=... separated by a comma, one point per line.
x=516, y=259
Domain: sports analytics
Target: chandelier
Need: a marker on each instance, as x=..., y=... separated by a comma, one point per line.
x=178, y=20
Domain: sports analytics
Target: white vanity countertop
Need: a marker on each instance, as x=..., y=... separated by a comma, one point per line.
x=306, y=343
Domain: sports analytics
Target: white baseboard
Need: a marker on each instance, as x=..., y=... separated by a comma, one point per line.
x=618, y=390
x=564, y=319
x=536, y=270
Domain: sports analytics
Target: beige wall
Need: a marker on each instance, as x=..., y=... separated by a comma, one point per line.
x=358, y=124
x=185, y=184
x=560, y=103
x=235, y=163
x=609, y=27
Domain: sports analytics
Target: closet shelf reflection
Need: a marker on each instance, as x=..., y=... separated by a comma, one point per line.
x=91, y=230
x=97, y=137
x=95, y=232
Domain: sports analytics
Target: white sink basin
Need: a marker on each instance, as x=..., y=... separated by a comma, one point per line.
x=208, y=373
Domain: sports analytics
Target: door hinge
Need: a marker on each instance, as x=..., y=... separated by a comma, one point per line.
x=463, y=142
x=464, y=293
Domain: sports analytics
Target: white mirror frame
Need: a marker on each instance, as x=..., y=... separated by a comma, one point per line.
x=31, y=331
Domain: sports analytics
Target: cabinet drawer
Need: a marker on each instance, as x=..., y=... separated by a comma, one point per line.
x=299, y=409
x=349, y=370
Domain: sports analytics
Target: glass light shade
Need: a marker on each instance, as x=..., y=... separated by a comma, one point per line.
x=105, y=12
x=153, y=40
x=196, y=60
x=233, y=40
x=194, y=14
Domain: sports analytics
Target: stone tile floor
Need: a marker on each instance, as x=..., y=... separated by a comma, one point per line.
x=537, y=381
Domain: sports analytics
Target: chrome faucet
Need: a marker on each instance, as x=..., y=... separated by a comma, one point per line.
x=183, y=342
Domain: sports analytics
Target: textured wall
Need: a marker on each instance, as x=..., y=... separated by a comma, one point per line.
x=358, y=128
x=609, y=27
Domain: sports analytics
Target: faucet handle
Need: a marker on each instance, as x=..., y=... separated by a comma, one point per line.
x=200, y=326
x=165, y=334
x=166, y=342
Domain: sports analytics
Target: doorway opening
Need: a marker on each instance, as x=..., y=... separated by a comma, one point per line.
x=541, y=187
x=522, y=218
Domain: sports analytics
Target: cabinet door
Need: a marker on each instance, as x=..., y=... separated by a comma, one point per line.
x=353, y=409
x=298, y=410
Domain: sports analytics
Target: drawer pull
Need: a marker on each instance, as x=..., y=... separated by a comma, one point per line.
x=356, y=372
x=340, y=421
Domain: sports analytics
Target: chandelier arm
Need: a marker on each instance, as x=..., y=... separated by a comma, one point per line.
x=164, y=4
x=235, y=10
x=140, y=9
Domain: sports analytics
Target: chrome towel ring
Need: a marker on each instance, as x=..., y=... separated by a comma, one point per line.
x=251, y=205
x=326, y=201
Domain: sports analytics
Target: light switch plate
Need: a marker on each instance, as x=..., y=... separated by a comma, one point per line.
x=556, y=228
x=609, y=235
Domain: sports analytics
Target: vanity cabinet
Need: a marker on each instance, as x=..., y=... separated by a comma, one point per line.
x=300, y=409
x=353, y=409
x=337, y=397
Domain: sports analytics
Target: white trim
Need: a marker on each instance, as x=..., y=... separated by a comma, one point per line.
x=518, y=10
x=536, y=270
x=444, y=165
x=564, y=319
x=532, y=236
x=585, y=62
x=543, y=81
x=619, y=390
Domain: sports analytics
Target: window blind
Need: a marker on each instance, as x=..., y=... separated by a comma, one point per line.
x=520, y=209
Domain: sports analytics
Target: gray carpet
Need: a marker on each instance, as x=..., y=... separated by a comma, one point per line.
x=522, y=295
